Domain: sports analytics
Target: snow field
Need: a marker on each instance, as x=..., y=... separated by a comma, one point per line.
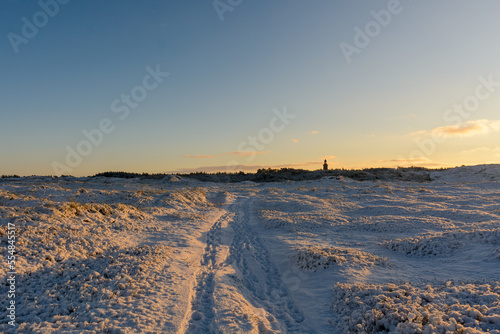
x=372, y=235
x=94, y=257
x=103, y=292
x=332, y=255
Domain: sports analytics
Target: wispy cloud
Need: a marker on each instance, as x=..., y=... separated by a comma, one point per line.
x=414, y=162
x=201, y=156
x=495, y=151
x=314, y=132
x=328, y=157
x=252, y=168
x=245, y=153
x=236, y=153
x=467, y=129
x=295, y=140
x=397, y=161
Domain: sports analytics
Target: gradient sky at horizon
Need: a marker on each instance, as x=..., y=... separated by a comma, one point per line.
x=391, y=105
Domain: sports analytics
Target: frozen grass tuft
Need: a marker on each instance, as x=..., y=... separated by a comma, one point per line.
x=446, y=308
x=442, y=243
x=312, y=258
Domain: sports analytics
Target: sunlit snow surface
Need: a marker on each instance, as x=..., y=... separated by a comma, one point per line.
x=334, y=255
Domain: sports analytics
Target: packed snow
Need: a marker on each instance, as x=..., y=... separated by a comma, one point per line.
x=177, y=255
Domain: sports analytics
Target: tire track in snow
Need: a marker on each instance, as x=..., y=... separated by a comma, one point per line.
x=260, y=275
x=202, y=305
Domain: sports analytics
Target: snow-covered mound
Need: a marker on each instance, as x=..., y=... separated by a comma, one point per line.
x=442, y=243
x=312, y=258
x=447, y=308
x=176, y=179
x=102, y=292
x=400, y=224
x=468, y=174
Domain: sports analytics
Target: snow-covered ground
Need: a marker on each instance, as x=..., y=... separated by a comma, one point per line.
x=106, y=255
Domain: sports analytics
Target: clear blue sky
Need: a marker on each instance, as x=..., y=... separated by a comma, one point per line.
x=390, y=104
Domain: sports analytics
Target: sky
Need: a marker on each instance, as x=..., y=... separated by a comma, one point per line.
x=228, y=85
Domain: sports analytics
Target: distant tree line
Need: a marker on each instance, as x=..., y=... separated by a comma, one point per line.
x=127, y=175
x=416, y=174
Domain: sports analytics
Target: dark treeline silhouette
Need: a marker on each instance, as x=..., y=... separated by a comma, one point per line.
x=416, y=174
x=127, y=175
x=10, y=176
